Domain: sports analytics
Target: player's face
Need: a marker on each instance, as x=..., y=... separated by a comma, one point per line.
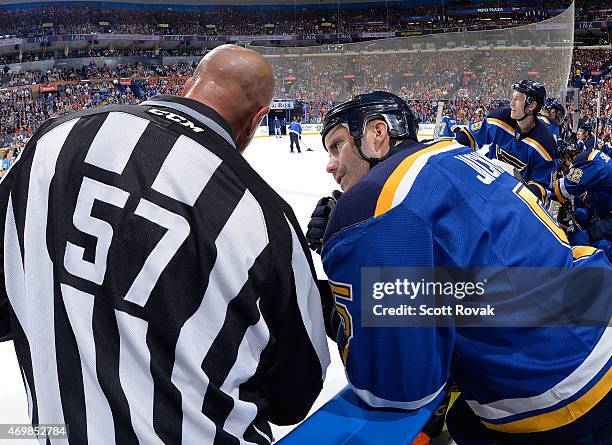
x=517, y=105
x=344, y=163
x=581, y=135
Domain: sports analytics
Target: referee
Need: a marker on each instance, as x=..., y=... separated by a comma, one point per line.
x=158, y=289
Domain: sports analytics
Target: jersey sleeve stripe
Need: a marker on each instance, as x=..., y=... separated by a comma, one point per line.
x=562, y=416
x=378, y=402
x=539, y=148
x=470, y=137
x=542, y=196
x=580, y=252
x=387, y=198
x=592, y=155
x=501, y=124
x=582, y=376
x=567, y=195
x=558, y=193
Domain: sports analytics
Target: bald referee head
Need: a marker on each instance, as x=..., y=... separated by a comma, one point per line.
x=237, y=83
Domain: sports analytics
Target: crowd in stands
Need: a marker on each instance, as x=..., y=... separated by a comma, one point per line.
x=470, y=85
x=260, y=21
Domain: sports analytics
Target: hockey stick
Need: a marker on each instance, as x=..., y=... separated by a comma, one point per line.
x=597, y=118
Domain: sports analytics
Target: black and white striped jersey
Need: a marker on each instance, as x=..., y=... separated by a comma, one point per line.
x=159, y=290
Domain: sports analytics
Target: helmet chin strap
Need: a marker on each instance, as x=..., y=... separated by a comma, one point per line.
x=525, y=115
x=373, y=161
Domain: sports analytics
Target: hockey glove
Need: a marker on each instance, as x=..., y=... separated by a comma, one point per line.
x=319, y=219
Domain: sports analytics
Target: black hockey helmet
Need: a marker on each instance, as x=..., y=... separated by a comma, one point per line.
x=363, y=107
x=553, y=104
x=567, y=149
x=534, y=91
x=586, y=125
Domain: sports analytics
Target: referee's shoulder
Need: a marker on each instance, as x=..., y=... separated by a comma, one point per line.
x=54, y=122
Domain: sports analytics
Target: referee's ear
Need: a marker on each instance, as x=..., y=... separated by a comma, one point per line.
x=187, y=87
x=241, y=144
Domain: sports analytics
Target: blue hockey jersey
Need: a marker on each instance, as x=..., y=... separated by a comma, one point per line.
x=531, y=154
x=447, y=127
x=552, y=126
x=442, y=205
x=607, y=147
x=591, y=172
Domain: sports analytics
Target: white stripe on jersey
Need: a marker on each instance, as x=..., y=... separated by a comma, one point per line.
x=566, y=388
x=190, y=162
x=40, y=278
x=243, y=413
x=411, y=175
x=13, y=268
x=79, y=307
x=115, y=141
x=15, y=286
x=238, y=245
x=564, y=191
x=309, y=301
x=135, y=375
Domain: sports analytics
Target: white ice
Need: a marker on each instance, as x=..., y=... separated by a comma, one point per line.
x=301, y=180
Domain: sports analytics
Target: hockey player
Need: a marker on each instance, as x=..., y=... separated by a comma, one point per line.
x=295, y=134
x=515, y=135
x=586, y=140
x=448, y=125
x=410, y=204
x=552, y=115
x=589, y=181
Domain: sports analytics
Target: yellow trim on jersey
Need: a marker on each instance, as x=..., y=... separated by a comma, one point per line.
x=530, y=199
x=539, y=148
x=385, y=199
x=348, y=329
x=515, y=162
x=542, y=190
x=501, y=124
x=543, y=119
x=341, y=290
x=558, y=193
x=579, y=252
x=293, y=131
x=470, y=137
x=562, y=416
x=593, y=154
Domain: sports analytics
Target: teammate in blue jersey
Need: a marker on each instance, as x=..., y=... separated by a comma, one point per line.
x=552, y=116
x=411, y=204
x=448, y=125
x=516, y=137
x=586, y=140
x=589, y=182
